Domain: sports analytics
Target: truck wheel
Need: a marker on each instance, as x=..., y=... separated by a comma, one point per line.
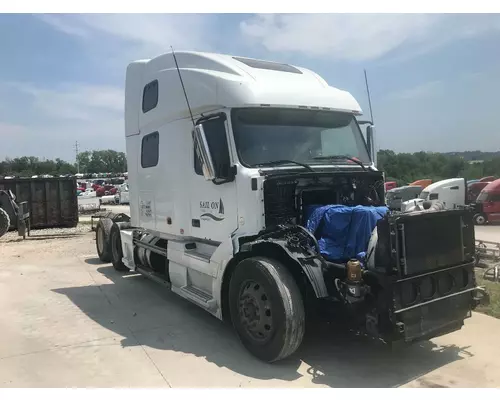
x=4, y=222
x=102, y=239
x=267, y=310
x=116, y=249
x=480, y=219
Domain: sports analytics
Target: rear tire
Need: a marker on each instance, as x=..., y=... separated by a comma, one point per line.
x=102, y=239
x=116, y=249
x=480, y=219
x=267, y=309
x=4, y=222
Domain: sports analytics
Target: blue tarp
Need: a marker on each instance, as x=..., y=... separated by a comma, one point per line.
x=343, y=232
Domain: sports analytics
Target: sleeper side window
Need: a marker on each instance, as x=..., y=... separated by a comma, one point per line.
x=150, y=150
x=150, y=96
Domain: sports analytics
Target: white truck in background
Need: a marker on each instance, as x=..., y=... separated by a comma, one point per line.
x=88, y=200
x=122, y=196
x=451, y=193
x=227, y=159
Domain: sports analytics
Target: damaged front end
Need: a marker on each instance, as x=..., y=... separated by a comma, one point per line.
x=419, y=275
x=399, y=277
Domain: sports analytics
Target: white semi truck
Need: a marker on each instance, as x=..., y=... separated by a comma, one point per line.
x=451, y=193
x=254, y=195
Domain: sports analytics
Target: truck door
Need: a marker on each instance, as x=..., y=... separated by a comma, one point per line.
x=491, y=206
x=214, y=209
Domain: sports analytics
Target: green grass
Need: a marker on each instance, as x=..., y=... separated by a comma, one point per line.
x=493, y=289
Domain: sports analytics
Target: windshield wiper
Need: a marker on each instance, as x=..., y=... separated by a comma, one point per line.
x=279, y=162
x=354, y=160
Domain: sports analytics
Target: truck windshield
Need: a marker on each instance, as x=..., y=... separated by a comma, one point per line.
x=485, y=196
x=393, y=196
x=263, y=135
x=424, y=195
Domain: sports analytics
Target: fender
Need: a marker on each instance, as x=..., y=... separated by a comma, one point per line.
x=301, y=246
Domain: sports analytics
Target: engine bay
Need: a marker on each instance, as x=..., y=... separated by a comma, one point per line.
x=287, y=198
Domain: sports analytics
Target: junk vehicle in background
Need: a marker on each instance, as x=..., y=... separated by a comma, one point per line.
x=51, y=202
x=88, y=200
x=422, y=182
x=473, y=190
x=13, y=215
x=278, y=210
x=451, y=193
x=106, y=190
x=122, y=197
x=390, y=185
x=487, y=205
x=397, y=196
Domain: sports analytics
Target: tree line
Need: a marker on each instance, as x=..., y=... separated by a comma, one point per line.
x=102, y=161
x=405, y=168
x=401, y=167
x=96, y=161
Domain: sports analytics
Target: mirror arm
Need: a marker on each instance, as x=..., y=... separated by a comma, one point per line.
x=204, y=118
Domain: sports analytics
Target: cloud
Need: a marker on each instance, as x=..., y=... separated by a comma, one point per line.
x=9, y=130
x=89, y=108
x=53, y=119
x=63, y=25
x=424, y=90
x=361, y=37
x=74, y=101
x=140, y=35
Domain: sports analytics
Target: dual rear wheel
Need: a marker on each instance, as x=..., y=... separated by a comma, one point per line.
x=109, y=244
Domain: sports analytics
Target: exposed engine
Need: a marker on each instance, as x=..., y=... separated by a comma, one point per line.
x=286, y=198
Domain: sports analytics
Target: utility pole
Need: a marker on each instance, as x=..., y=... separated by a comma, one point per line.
x=77, y=162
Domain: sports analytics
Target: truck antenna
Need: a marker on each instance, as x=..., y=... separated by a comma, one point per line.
x=182, y=84
x=369, y=99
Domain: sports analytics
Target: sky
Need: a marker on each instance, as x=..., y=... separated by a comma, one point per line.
x=434, y=78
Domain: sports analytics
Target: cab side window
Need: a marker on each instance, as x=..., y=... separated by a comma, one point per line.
x=215, y=131
x=197, y=163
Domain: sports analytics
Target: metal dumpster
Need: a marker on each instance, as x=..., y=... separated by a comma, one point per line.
x=52, y=202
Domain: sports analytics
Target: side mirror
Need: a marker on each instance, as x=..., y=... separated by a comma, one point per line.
x=370, y=142
x=201, y=145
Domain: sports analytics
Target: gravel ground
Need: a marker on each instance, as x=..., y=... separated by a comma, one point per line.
x=61, y=233
x=68, y=320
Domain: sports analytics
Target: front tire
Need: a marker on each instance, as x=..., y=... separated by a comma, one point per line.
x=267, y=309
x=480, y=219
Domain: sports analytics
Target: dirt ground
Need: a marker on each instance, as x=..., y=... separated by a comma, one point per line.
x=69, y=321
